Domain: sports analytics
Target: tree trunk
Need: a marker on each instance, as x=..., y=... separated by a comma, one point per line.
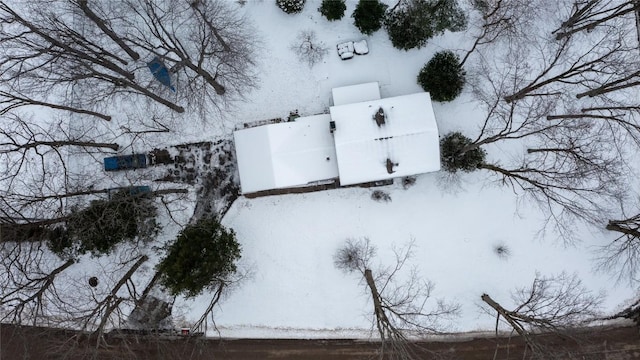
x=56, y=144
x=590, y=26
x=615, y=226
x=100, y=23
x=504, y=313
x=25, y=101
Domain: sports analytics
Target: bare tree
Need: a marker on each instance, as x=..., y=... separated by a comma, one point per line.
x=586, y=15
x=307, y=48
x=621, y=256
x=401, y=312
x=499, y=21
x=557, y=304
x=95, y=51
x=575, y=163
x=569, y=167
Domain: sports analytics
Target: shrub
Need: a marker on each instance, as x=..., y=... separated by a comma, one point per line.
x=408, y=181
x=454, y=155
x=411, y=23
x=408, y=27
x=333, y=9
x=291, y=6
x=368, y=15
x=442, y=76
x=203, y=255
x=379, y=195
x=502, y=251
x=308, y=48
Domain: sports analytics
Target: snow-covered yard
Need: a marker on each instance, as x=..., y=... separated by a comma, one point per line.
x=470, y=234
x=288, y=241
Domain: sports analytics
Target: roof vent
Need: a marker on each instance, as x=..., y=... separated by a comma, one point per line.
x=379, y=117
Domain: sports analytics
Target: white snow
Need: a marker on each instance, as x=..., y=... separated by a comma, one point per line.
x=361, y=47
x=345, y=50
x=408, y=138
x=355, y=93
x=286, y=154
x=288, y=242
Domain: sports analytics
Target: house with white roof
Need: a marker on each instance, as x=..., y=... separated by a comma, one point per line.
x=363, y=139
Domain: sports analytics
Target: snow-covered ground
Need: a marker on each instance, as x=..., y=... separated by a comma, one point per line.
x=288, y=241
x=293, y=288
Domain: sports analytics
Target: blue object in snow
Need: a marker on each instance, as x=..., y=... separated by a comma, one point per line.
x=125, y=162
x=160, y=72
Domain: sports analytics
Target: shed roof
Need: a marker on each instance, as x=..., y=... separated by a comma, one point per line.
x=355, y=93
x=286, y=154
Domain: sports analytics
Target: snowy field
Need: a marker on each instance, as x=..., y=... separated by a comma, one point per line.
x=288, y=241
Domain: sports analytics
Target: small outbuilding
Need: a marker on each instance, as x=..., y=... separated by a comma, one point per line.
x=288, y=154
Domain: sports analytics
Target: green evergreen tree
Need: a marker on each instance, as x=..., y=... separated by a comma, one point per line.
x=333, y=9
x=412, y=22
x=104, y=224
x=368, y=16
x=203, y=255
x=458, y=153
x=447, y=15
x=442, y=76
x=291, y=6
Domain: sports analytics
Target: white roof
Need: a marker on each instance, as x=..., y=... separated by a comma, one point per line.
x=286, y=154
x=355, y=93
x=409, y=138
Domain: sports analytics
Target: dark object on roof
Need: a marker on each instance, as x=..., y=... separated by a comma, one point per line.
x=125, y=162
x=332, y=126
x=390, y=165
x=160, y=72
x=93, y=281
x=379, y=117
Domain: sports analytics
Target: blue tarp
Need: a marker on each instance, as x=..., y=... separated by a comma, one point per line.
x=160, y=72
x=125, y=162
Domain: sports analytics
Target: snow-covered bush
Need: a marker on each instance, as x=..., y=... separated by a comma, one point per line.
x=459, y=153
x=442, y=76
x=204, y=255
x=368, y=15
x=291, y=6
x=333, y=9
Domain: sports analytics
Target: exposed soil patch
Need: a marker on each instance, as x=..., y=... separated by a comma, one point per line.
x=210, y=167
x=620, y=343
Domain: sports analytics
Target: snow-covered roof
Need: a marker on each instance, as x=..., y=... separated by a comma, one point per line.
x=286, y=154
x=355, y=93
x=408, y=139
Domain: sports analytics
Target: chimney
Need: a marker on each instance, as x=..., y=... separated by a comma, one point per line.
x=379, y=117
x=390, y=165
